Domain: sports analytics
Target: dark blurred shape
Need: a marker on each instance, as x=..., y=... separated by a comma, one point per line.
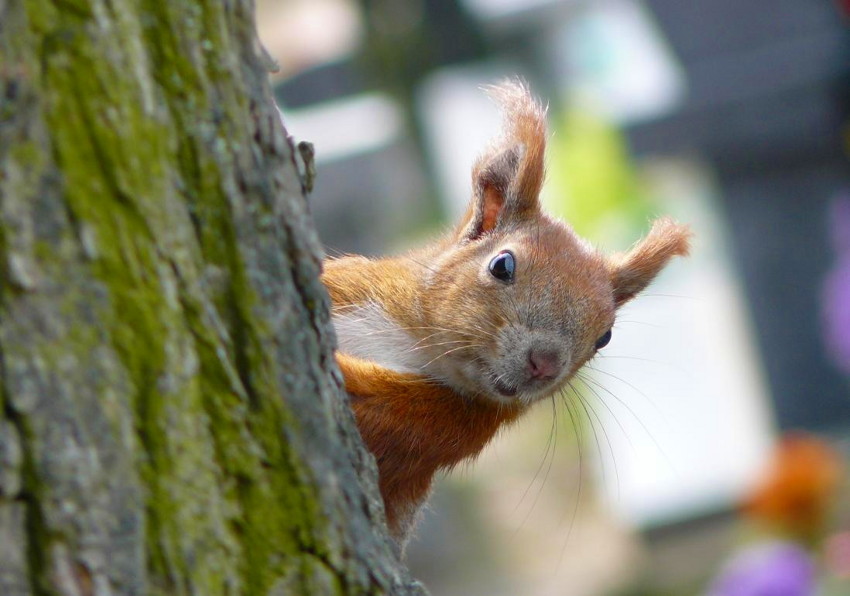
x=406, y=39
x=364, y=203
x=767, y=107
x=322, y=83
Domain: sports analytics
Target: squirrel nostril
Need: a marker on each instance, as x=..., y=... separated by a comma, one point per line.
x=543, y=365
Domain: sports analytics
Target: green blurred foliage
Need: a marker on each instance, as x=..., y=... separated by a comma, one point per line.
x=592, y=182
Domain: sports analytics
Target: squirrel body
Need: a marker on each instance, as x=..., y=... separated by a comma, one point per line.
x=443, y=347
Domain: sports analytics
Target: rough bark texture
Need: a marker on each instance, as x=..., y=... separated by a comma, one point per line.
x=171, y=420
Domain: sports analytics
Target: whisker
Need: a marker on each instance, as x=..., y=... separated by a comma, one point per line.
x=584, y=406
x=442, y=343
x=447, y=352
x=493, y=327
x=607, y=440
x=334, y=253
x=651, y=401
x=639, y=421
x=395, y=329
x=549, y=444
x=586, y=382
x=426, y=338
x=579, y=441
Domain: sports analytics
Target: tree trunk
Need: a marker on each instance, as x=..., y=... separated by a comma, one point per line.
x=171, y=416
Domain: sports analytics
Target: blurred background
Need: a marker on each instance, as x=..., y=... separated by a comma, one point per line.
x=707, y=450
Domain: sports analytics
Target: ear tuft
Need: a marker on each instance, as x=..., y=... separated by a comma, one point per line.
x=633, y=272
x=523, y=126
x=507, y=178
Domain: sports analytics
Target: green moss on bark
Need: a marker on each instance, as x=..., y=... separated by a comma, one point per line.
x=116, y=157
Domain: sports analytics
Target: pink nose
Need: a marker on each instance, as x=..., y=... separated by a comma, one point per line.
x=543, y=365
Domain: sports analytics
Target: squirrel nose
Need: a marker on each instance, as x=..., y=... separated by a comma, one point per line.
x=543, y=365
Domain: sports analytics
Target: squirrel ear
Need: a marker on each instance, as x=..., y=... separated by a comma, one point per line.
x=507, y=179
x=632, y=272
x=491, y=194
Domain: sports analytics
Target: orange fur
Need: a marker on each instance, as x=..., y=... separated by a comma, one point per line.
x=633, y=272
x=415, y=427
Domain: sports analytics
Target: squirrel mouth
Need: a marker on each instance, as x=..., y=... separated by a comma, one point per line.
x=505, y=389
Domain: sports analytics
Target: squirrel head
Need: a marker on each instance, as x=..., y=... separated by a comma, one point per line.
x=533, y=301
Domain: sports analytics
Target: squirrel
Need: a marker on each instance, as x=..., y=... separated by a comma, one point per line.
x=443, y=347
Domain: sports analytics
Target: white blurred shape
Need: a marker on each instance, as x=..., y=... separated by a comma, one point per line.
x=689, y=421
x=613, y=58
x=458, y=120
x=303, y=33
x=498, y=9
x=346, y=127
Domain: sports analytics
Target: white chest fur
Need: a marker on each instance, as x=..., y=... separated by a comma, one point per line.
x=367, y=332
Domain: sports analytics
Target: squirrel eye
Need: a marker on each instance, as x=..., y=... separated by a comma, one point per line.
x=502, y=266
x=603, y=341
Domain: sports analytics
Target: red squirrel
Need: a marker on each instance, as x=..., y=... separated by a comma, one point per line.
x=444, y=346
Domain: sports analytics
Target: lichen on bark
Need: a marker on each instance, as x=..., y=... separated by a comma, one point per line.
x=171, y=422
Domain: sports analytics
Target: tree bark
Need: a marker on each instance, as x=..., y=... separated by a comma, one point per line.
x=172, y=421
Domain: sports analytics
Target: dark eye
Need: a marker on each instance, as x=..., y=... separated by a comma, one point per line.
x=603, y=341
x=502, y=266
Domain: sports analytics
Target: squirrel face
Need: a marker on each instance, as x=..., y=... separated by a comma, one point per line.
x=537, y=301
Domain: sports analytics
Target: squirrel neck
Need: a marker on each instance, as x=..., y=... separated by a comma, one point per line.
x=415, y=427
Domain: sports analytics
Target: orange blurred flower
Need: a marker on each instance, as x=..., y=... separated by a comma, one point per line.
x=799, y=487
